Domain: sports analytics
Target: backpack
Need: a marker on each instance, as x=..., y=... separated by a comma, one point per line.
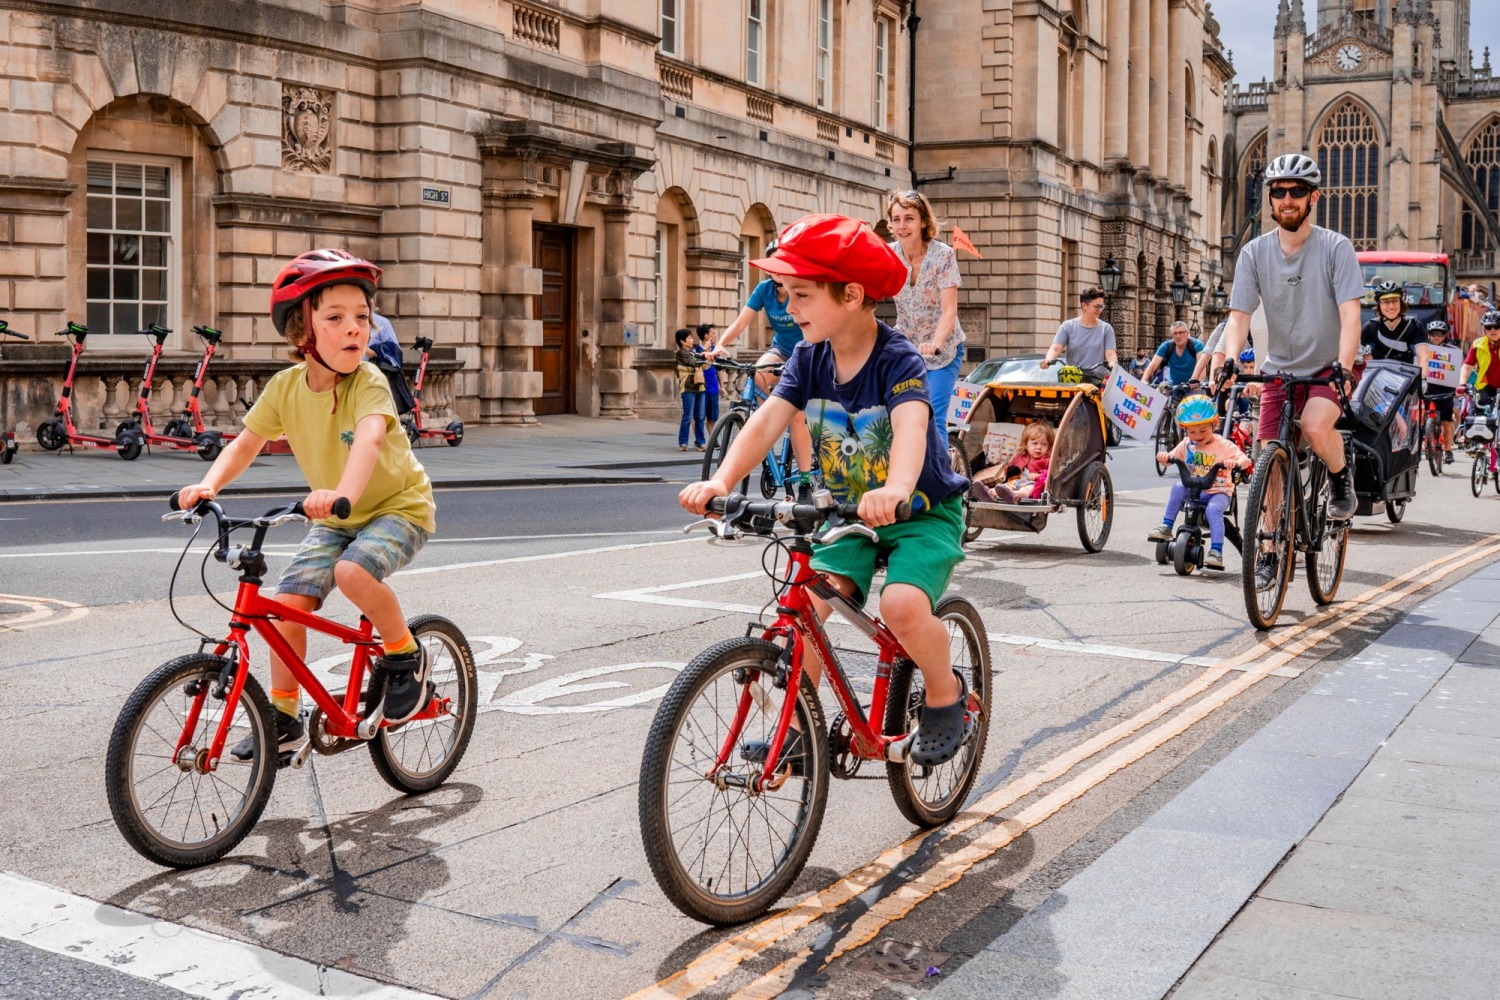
x=400, y=391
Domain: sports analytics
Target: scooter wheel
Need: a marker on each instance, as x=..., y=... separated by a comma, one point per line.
x=209, y=445
x=412, y=434
x=456, y=432
x=7, y=452
x=129, y=449
x=1182, y=560
x=51, y=434
x=1163, y=553
x=178, y=428
x=127, y=427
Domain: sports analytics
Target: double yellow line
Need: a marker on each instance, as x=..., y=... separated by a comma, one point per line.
x=1257, y=663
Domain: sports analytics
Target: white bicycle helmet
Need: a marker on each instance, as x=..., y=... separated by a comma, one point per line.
x=1294, y=167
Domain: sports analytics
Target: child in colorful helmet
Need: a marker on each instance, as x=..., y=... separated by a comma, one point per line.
x=336, y=411
x=1200, y=449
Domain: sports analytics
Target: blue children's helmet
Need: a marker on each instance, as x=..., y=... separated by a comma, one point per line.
x=1247, y=356
x=1197, y=409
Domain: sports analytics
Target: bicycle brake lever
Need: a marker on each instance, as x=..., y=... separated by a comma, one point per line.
x=718, y=527
x=834, y=534
x=190, y=516
x=276, y=522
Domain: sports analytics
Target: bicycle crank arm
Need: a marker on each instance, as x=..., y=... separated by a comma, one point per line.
x=370, y=725
x=300, y=757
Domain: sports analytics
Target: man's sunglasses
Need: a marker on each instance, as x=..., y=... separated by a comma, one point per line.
x=1294, y=191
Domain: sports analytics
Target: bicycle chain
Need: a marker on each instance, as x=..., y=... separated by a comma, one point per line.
x=842, y=763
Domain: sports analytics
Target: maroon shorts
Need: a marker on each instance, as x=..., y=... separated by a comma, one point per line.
x=1272, y=394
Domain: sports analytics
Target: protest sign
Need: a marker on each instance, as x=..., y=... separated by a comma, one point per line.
x=1442, y=365
x=1132, y=404
x=964, y=395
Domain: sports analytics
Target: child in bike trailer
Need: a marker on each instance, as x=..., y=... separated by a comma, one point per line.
x=863, y=388
x=1203, y=446
x=1025, y=474
x=338, y=417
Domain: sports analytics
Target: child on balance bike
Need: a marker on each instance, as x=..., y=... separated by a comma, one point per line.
x=850, y=374
x=1197, y=415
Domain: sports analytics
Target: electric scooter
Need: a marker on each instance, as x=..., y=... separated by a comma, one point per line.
x=191, y=424
x=453, y=433
x=176, y=435
x=8, y=438
x=59, y=430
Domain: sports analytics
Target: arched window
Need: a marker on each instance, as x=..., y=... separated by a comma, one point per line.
x=1253, y=174
x=1484, y=160
x=1349, y=155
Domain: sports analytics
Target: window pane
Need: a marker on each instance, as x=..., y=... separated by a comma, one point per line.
x=124, y=318
x=153, y=312
x=101, y=177
x=128, y=178
x=127, y=213
x=154, y=251
x=127, y=283
x=98, y=317
x=98, y=285
x=158, y=180
x=154, y=284
x=99, y=214
x=156, y=217
x=127, y=249
x=98, y=248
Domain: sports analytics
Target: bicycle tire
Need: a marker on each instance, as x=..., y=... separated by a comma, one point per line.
x=931, y=796
x=452, y=655
x=1432, y=440
x=718, y=446
x=1395, y=510
x=1166, y=440
x=1325, y=567
x=148, y=834
x=1096, y=506
x=959, y=462
x=1269, y=494
x=1479, y=472
x=692, y=883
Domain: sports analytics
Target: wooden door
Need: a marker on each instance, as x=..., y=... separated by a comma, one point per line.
x=552, y=252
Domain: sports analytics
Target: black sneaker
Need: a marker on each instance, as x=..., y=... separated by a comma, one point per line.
x=792, y=755
x=1447, y=458
x=405, y=684
x=805, y=491
x=290, y=735
x=1342, y=503
x=1265, y=571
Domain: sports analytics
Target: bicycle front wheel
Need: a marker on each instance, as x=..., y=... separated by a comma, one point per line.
x=1480, y=472
x=1269, y=525
x=722, y=852
x=177, y=807
x=1166, y=440
x=1325, y=566
x=1432, y=440
x=931, y=796
x=718, y=446
x=418, y=756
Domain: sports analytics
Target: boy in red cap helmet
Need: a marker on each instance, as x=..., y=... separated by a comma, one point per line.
x=863, y=385
x=340, y=421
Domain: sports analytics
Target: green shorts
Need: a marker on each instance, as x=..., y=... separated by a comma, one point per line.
x=921, y=552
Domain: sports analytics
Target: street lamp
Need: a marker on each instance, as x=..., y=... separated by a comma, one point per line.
x=1179, y=288
x=1195, y=299
x=1221, y=300
x=1109, y=280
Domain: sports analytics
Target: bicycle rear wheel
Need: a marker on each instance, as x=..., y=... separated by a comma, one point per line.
x=1432, y=440
x=1479, y=472
x=169, y=804
x=931, y=796
x=1269, y=524
x=720, y=852
x=1325, y=567
x=718, y=446
x=420, y=755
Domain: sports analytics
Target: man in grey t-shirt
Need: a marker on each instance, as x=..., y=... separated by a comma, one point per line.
x=1308, y=280
x=1088, y=342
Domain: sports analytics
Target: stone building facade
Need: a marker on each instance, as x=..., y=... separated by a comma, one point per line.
x=1056, y=133
x=1384, y=94
x=553, y=186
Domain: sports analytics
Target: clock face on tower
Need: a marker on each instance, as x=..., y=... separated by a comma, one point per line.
x=1349, y=56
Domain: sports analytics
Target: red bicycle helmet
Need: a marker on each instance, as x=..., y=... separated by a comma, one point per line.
x=313, y=270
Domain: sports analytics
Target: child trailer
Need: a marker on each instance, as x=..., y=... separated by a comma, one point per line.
x=415, y=429
x=177, y=434
x=59, y=429
x=1186, y=550
x=8, y=438
x=1385, y=420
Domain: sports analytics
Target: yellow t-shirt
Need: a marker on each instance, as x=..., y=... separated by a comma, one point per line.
x=321, y=437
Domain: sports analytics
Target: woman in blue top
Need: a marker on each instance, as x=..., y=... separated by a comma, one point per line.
x=770, y=298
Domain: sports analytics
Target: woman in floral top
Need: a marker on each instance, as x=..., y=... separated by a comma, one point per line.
x=927, y=307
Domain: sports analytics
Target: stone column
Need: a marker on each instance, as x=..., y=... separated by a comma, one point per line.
x=1177, y=57
x=1117, y=124
x=1160, y=86
x=507, y=331
x=1140, y=85
x=617, y=376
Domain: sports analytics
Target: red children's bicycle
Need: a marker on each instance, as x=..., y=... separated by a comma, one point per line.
x=177, y=434
x=415, y=429
x=177, y=798
x=726, y=822
x=60, y=430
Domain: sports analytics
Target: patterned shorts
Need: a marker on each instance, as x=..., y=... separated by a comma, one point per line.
x=380, y=548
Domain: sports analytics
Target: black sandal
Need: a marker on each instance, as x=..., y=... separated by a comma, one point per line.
x=942, y=732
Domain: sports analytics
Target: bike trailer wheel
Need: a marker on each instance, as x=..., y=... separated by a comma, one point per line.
x=1096, y=508
x=931, y=796
x=722, y=852
x=177, y=807
x=418, y=756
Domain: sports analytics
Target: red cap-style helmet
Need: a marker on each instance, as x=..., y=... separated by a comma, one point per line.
x=313, y=270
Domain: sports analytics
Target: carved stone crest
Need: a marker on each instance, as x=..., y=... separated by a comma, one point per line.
x=306, y=129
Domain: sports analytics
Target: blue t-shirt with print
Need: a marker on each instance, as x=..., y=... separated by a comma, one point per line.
x=785, y=333
x=850, y=422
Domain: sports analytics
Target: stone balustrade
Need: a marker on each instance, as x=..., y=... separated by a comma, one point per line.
x=105, y=388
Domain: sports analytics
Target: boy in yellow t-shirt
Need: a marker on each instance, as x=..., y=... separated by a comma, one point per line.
x=340, y=421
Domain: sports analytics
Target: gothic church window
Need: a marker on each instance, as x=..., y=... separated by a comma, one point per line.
x=1349, y=155
x=1253, y=180
x=1484, y=160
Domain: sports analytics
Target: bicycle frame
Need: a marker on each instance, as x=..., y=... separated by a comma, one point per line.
x=797, y=625
x=750, y=399
x=1308, y=536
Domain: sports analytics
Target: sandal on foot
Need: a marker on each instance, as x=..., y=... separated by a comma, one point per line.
x=942, y=731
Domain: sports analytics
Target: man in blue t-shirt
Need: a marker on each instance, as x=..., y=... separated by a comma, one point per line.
x=1179, y=353
x=864, y=389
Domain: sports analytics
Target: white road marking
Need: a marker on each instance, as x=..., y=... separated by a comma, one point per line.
x=195, y=962
x=541, y=557
x=288, y=549
x=44, y=611
x=526, y=701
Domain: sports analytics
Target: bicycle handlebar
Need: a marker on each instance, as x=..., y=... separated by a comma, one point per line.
x=341, y=508
x=740, y=511
x=738, y=366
